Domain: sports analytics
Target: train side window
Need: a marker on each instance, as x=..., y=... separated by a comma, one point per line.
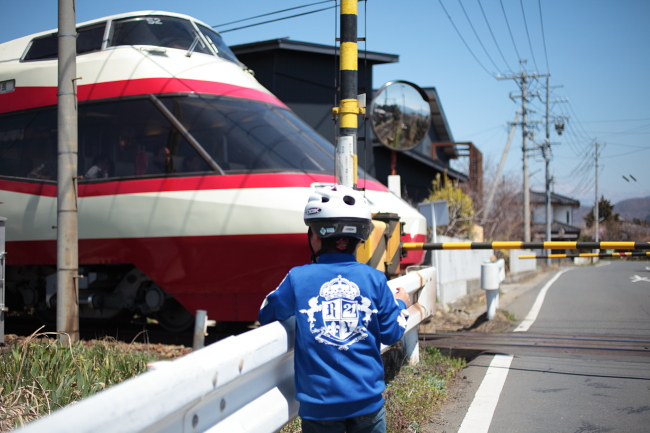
x=89, y=39
x=43, y=48
x=28, y=145
x=136, y=138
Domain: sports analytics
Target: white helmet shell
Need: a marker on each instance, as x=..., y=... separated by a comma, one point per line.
x=338, y=210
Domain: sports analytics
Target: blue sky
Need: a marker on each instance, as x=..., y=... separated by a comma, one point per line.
x=596, y=52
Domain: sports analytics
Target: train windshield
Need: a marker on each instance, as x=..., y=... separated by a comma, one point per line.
x=218, y=44
x=160, y=31
x=244, y=135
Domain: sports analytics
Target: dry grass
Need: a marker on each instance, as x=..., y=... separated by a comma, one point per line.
x=38, y=375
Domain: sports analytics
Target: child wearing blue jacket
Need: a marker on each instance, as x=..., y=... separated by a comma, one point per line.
x=344, y=310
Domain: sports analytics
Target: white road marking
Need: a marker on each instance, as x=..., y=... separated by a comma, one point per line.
x=534, y=311
x=636, y=279
x=480, y=412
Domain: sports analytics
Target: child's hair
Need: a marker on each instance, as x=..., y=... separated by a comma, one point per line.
x=340, y=244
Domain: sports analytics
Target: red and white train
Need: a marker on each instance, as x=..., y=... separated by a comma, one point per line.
x=193, y=176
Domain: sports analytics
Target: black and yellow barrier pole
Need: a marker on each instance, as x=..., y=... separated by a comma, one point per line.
x=517, y=245
x=348, y=110
x=570, y=256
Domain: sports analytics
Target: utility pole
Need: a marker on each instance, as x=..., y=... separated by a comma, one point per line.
x=546, y=151
x=348, y=110
x=67, y=254
x=522, y=79
x=596, y=216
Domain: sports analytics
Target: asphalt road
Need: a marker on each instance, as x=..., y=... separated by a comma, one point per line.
x=558, y=390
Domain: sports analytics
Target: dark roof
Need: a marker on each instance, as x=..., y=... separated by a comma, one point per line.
x=308, y=47
x=438, y=118
x=439, y=166
x=540, y=198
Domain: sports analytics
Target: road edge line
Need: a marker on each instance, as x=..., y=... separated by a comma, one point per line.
x=537, y=305
x=481, y=410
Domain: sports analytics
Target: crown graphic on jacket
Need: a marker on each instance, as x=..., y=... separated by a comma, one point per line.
x=339, y=288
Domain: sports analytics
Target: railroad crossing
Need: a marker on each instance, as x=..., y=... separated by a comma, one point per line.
x=583, y=365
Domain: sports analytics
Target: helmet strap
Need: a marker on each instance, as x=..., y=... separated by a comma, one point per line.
x=314, y=254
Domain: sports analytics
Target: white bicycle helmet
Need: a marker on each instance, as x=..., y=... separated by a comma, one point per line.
x=338, y=210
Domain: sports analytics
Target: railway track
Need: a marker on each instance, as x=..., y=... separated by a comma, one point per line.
x=520, y=343
x=24, y=326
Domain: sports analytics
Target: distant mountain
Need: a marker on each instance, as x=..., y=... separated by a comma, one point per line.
x=628, y=209
x=634, y=208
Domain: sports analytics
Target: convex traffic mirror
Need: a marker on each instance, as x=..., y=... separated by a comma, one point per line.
x=400, y=115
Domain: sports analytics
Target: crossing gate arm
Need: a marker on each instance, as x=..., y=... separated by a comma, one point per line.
x=242, y=384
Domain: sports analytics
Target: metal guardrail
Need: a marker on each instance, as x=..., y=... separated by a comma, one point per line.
x=242, y=384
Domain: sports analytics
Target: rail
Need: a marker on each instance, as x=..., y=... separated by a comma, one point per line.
x=242, y=384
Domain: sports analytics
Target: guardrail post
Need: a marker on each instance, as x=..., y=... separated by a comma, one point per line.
x=200, y=329
x=411, y=346
x=3, y=308
x=492, y=273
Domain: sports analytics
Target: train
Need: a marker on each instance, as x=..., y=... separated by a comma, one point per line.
x=192, y=177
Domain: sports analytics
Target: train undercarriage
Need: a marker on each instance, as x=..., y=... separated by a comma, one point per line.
x=106, y=293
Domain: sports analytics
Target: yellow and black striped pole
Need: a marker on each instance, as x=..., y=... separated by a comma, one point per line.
x=517, y=245
x=570, y=256
x=348, y=110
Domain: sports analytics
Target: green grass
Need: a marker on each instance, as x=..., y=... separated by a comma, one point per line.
x=413, y=393
x=38, y=375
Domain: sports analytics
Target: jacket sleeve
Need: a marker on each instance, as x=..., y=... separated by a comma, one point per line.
x=392, y=316
x=279, y=304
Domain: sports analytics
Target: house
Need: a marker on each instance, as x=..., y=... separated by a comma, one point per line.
x=562, y=228
x=305, y=77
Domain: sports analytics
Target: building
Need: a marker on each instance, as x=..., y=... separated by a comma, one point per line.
x=305, y=77
x=562, y=228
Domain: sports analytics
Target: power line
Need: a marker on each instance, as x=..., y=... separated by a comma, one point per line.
x=494, y=38
x=463, y=39
x=477, y=37
x=541, y=23
x=532, y=53
x=271, y=13
x=510, y=30
x=279, y=19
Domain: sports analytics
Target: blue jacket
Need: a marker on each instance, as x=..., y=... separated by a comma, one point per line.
x=344, y=310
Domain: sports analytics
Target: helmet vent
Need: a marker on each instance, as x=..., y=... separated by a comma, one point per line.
x=325, y=199
x=349, y=200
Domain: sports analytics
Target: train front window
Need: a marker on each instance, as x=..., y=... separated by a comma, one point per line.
x=89, y=39
x=219, y=45
x=246, y=136
x=158, y=30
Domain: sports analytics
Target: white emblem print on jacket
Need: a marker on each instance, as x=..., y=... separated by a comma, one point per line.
x=340, y=309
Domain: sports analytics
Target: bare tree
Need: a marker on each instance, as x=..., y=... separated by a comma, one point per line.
x=503, y=220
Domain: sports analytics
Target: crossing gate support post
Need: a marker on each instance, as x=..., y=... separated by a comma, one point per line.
x=492, y=274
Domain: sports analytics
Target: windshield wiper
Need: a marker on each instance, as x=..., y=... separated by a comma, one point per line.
x=197, y=40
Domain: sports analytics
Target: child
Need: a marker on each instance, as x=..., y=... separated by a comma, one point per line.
x=344, y=310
